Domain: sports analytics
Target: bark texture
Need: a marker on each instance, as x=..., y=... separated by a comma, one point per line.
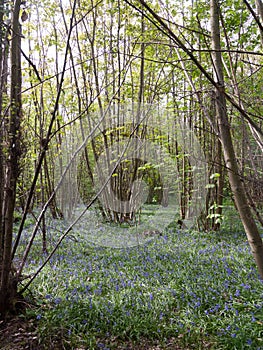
x=236, y=183
x=8, y=285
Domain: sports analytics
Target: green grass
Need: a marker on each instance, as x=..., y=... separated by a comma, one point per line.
x=198, y=290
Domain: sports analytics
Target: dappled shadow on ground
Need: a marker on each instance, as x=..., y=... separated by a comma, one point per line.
x=145, y=344
x=21, y=334
x=18, y=334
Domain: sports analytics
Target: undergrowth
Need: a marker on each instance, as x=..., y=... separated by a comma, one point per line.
x=197, y=290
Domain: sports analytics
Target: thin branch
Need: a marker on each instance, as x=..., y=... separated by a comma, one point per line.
x=32, y=65
x=242, y=52
x=254, y=15
x=186, y=28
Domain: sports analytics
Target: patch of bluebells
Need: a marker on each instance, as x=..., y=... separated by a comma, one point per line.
x=170, y=286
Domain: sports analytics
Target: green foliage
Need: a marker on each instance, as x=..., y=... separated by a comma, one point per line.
x=218, y=218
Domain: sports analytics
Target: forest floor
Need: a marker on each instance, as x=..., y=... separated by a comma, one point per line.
x=176, y=291
x=22, y=334
x=19, y=334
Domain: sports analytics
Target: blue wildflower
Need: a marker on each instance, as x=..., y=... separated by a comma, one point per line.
x=57, y=301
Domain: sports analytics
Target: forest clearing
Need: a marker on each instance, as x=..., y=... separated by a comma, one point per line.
x=131, y=159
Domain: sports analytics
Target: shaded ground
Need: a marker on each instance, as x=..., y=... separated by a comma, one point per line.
x=18, y=334
x=21, y=334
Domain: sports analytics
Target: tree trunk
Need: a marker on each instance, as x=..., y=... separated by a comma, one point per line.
x=236, y=183
x=1, y=131
x=8, y=287
x=259, y=5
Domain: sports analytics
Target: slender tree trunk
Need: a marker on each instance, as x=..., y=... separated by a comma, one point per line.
x=245, y=213
x=1, y=131
x=260, y=9
x=7, y=284
x=259, y=6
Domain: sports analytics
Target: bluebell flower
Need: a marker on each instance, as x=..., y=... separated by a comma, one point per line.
x=246, y=286
x=197, y=304
x=237, y=293
x=57, y=301
x=229, y=271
